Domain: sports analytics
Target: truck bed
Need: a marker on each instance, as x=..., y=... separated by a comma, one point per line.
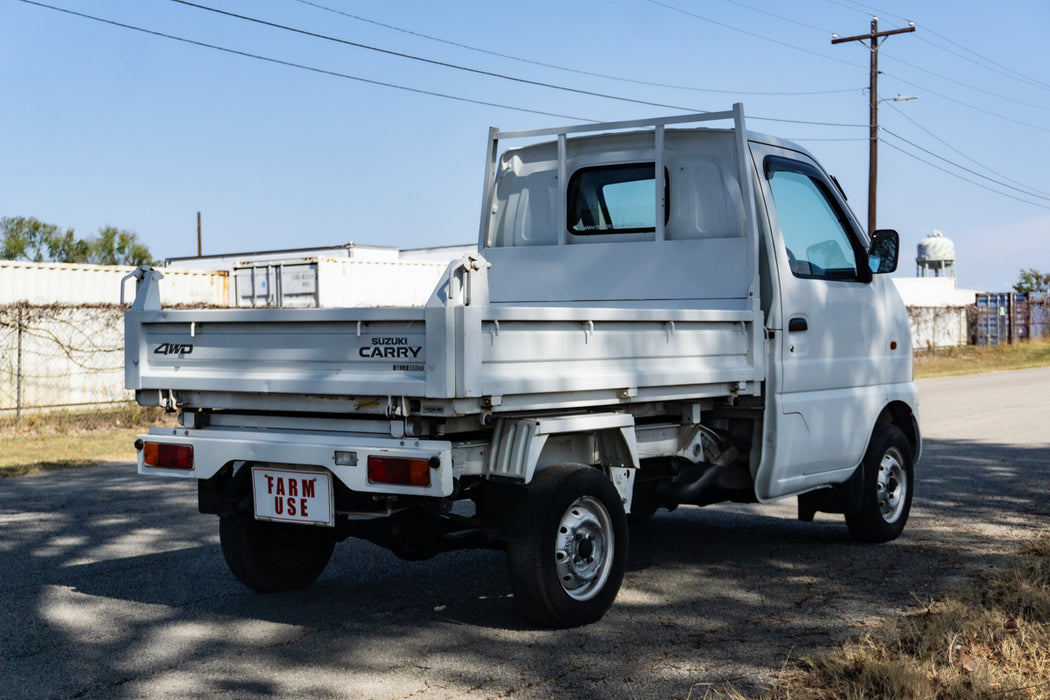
x=452, y=357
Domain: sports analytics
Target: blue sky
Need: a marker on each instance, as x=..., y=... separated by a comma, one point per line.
x=103, y=125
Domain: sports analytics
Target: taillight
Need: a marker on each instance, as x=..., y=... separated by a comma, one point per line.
x=398, y=470
x=167, y=456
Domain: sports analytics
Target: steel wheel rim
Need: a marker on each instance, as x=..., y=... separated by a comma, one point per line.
x=583, y=548
x=892, y=485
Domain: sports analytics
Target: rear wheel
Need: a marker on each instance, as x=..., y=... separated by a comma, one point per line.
x=273, y=557
x=569, y=569
x=888, y=483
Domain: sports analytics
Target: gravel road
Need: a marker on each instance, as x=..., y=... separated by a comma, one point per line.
x=112, y=585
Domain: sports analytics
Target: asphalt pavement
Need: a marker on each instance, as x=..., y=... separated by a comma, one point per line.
x=113, y=586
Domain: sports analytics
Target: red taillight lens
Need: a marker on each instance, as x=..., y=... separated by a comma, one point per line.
x=398, y=470
x=167, y=456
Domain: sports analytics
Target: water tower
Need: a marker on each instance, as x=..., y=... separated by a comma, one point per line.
x=936, y=256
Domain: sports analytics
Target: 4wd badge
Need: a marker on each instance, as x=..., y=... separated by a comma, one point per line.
x=173, y=349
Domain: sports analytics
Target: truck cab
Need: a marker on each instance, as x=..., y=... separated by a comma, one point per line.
x=681, y=218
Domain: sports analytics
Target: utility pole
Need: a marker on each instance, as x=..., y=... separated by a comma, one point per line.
x=198, y=234
x=873, y=108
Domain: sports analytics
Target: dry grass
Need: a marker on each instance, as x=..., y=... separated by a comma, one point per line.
x=34, y=453
x=988, y=639
x=971, y=359
x=68, y=440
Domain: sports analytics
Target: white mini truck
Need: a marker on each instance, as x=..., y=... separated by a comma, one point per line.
x=657, y=316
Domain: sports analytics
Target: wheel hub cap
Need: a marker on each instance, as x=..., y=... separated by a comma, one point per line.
x=583, y=548
x=892, y=485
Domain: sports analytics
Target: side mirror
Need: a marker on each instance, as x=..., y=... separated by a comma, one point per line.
x=885, y=247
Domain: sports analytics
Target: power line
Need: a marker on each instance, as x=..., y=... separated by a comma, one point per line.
x=967, y=85
x=807, y=140
x=483, y=72
x=776, y=16
x=956, y=150
x=808, y=123
x=967, y=104
x=395, y=85
x=301, y=66
x=541, y=112
x=753, y=34
x=1004, y=69
x=553, y=66
x=994, y=67
x=849, y=7
x=964, y=179
x=420, y=59
x=855, y=65
x=867, y=10
x=1023, y=189
x=1020, y=76
x=993, y=62
x=965, y=169
x=854, y=6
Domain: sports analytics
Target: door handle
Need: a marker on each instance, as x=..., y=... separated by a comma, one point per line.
x=797, y=325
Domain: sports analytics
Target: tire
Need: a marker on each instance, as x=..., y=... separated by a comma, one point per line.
x=273, y=557
x=569, y=569
x=888, y=482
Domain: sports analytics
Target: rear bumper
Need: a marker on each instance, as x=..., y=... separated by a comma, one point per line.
x=215, y=448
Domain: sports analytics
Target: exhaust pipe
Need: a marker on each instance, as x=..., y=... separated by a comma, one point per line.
x=681, y=489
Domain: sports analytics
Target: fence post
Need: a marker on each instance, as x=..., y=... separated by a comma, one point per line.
x=18, y=369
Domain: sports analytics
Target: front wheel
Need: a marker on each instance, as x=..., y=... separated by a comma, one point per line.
x=272, y=557
x=888, y=483
x=569, y=569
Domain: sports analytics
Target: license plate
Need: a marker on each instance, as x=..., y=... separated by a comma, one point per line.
x=292, y=496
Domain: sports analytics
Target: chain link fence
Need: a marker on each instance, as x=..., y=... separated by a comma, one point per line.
x=64, y=361
x=941, y=326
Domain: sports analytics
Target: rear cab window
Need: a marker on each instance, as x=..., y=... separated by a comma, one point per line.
x=614, y=199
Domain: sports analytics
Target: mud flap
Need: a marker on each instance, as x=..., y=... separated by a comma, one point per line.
x=224, y=493
x=839, y=498
x=504, y=510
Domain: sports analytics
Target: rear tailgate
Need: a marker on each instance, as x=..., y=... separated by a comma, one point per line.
x=330, y=352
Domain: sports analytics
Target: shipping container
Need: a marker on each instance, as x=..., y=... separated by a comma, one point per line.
x=334, y=283
x=1008, y=317
x=65, y=283
x=228, y=261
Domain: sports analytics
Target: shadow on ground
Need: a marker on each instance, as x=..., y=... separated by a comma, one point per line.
x=116, y=586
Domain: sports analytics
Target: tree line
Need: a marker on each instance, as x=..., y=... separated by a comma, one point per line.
x=1032, y=281
x=27, y=238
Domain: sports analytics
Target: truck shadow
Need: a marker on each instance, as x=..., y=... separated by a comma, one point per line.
x=133, y=593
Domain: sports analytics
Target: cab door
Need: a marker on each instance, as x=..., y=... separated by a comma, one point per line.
x=829, y=383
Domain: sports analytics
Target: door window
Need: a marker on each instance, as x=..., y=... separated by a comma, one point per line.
x=815, y=232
